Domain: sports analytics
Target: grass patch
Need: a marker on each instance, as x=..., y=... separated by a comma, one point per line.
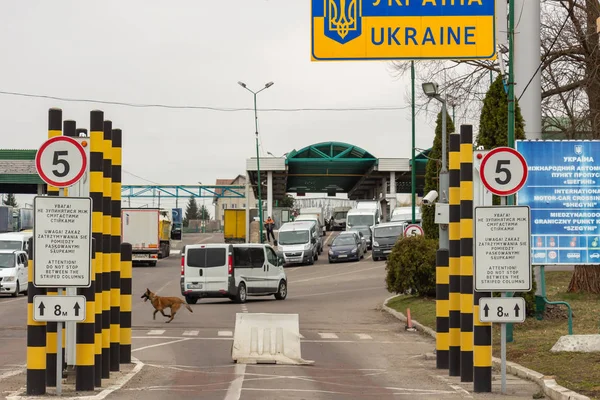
x=534, y=339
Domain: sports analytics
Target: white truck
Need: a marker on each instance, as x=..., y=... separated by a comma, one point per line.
x=141, y=228
x=319, y=212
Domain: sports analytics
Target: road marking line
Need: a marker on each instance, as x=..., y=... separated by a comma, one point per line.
x=156, y=332
x=339, y=291
x=159, y=344
x=225, y=333
x=191, y=333
x=12, y=373
x=336, y=275
x=234, y=392
x=328, y=336
x=364, y=336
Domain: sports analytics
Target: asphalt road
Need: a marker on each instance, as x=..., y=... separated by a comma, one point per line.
x=359, y=351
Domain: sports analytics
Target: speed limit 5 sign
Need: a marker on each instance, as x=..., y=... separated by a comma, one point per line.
x=503, y=171
x=61, y=161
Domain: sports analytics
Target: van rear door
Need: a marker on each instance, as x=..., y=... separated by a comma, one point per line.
x=207, y=268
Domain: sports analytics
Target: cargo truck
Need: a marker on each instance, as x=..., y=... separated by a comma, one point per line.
x=234, y=228
x=148, y=230
x=6, y=219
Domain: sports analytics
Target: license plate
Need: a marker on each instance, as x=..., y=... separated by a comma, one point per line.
x=387, y=252
x=141, y=256
x=342, y=256
x=194, y=286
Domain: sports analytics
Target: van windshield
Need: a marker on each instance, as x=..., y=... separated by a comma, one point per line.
x=355, y=220
x=388, y=231
x=7, y=260
x=206, y=258
x=10, y=245
x=340, y=215
x=293, y=237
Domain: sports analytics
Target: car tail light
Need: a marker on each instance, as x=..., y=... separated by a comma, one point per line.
x=230, y=264
x=182, y=265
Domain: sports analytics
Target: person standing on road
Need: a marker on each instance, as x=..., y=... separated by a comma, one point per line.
x=270, y=225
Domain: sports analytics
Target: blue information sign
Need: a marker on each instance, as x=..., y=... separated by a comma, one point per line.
x=563, y=193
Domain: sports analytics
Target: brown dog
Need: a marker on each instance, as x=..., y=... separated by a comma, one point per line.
x=160, y=303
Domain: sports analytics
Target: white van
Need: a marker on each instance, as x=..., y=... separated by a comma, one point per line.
x=362, y=217
x=299, y=242
x=319, y=231
x=404, y=214
x=231, y=270
x=13, y=272
x=15, y=241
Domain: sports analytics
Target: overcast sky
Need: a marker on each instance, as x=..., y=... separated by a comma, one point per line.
x=193, y=53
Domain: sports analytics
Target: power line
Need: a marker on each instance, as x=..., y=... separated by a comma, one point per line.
x=139, y=177
x=549, y=50
x=195, y=107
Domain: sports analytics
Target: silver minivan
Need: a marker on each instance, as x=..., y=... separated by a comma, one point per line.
x=299, y=242
x=234, y=271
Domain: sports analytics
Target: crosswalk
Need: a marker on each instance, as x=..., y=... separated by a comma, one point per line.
x=225, y=334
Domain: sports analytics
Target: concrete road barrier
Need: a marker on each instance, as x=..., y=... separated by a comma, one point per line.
x=262, y=338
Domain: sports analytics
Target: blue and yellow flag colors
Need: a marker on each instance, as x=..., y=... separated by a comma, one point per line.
x=403, y=29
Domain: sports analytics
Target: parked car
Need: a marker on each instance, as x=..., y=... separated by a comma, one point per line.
x=363, y=240
x=346, y=246
x=367, y=233
x=13, y=272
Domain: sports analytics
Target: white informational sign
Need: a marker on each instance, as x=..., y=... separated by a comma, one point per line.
x=503, y=171
x=58, y=308
x=502, y=309
x=413, y=230
x=502, y=249
x=61, y=161
x=62, y=241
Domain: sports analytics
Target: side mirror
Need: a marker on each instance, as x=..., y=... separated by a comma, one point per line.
x=280, y=261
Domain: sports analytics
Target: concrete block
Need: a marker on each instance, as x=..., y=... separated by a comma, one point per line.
x=577, y=343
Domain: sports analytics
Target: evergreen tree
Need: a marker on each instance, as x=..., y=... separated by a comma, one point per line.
x=11, y=200
x=203, y=214
x=191, y=211
x=493, y=122
x=432, y=170
x=287, y=201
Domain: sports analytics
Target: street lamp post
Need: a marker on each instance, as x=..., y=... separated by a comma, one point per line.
x=260, y=211
x=431, y=90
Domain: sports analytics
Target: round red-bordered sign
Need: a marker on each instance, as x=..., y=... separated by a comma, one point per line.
x=61, y=161
x=503, y=171
x=414, y=227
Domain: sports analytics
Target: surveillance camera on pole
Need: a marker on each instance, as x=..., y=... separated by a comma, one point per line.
x=430, y=197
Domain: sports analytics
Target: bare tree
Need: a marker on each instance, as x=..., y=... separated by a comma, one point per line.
x=569, y=64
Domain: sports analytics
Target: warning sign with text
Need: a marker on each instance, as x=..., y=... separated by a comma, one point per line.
x=62, y=241
x=502, y=249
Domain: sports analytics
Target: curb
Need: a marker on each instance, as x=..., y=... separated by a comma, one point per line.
x=549, y=386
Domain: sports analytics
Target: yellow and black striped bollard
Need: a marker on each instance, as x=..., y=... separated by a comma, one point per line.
x=84, y=372
x=106, y=229
x=97, y=194
x=466, y=253
x=36, y=333
x=115, y=262
x=454, y=254
x=126, y=292
x=442, y=309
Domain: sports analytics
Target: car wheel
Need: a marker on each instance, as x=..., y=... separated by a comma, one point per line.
x=241, y=294
x=375, y=258
x=153, y=263
x=281, y=291
x=16, y=293
x=330, y=261
x=191, y=299
x=316, y=256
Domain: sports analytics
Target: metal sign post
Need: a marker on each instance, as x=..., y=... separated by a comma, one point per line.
x=502, y=240
x=62, y=236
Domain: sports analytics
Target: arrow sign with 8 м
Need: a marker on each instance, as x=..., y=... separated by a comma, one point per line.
x=503, y=171
x=58, y=308
x=61, y=161
x=502, y=309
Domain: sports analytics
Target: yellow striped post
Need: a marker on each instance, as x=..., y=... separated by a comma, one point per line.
x=454, y=254
x=106, y=229
x=126, y=292
x=51, y=327
x=84, y=370
x=442, y=309
x=466, y=253
x=96, y=193
x=36, y=331
x=115, y=262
